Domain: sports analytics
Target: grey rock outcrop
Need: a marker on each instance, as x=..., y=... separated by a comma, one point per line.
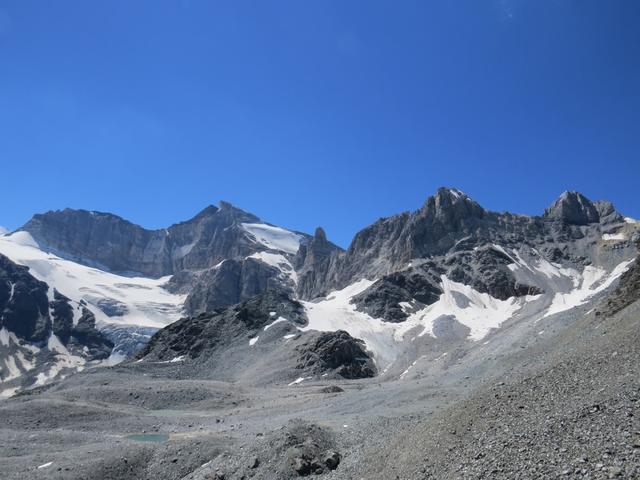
x=110, y=242
x=314, y=260
x=336, y=352
x=573, y=208
x=234, y=281
x=207, y=335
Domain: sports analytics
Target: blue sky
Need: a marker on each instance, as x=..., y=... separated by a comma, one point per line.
x=307, y=113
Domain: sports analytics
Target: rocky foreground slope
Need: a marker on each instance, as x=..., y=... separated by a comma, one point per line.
x=573, y=415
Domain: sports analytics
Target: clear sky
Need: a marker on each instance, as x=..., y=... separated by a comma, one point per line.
x=307, y=113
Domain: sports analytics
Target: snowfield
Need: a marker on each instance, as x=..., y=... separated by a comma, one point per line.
x=274, y=238
x=140, y=301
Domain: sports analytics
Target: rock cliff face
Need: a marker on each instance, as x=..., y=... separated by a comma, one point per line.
x=24, y=304
x=39, y=335
x=452, y=235
x=214, y=257
x=110, y=242
x=314, y=261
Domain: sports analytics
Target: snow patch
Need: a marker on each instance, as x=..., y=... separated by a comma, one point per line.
x=593, y=280
x=277, y=320
x=252, y=341
x=614, y=237
x=278, y=261
x=297, y=381
x=274, y=238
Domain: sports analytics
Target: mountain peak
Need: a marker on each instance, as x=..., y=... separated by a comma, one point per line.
x=450, y=204
x=231, y=211
x=452, y=193
x=320, y=234
x=574, y=208
x=206, y=212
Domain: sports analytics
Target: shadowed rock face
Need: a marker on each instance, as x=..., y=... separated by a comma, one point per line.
x=208, y=334
x=384, y=298
x=234, y=281
x=24, y=305
x=335, y=351
x=314, y=260
x=36, y=321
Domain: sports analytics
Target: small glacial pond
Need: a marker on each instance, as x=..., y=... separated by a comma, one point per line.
x=148, y=437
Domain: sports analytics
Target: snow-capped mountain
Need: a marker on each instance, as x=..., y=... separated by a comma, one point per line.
x=449, y=272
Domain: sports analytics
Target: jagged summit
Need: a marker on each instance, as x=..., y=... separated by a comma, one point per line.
x=206, y=212
x=450, y=204
x=452, y=193
x=320, y=234
x=573, y=208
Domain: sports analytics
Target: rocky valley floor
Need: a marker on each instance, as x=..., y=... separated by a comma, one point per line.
x=561, y=405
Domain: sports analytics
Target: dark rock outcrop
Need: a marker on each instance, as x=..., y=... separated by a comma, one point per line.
x=338, y=352
x=384, y=298
x=207, y=335
x=24, y=305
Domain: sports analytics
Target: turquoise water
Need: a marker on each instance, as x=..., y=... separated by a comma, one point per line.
x=148, y=437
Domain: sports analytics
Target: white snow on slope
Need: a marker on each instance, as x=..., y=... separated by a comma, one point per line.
x=480, y=312
x=614, y=236
x=567, y=287
x=279, y=261
x=277, y=320
x=274, y=238
x=3, y=230
x=630, y=220
x=148, y=304
x=591, y=281
x=63, y=360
